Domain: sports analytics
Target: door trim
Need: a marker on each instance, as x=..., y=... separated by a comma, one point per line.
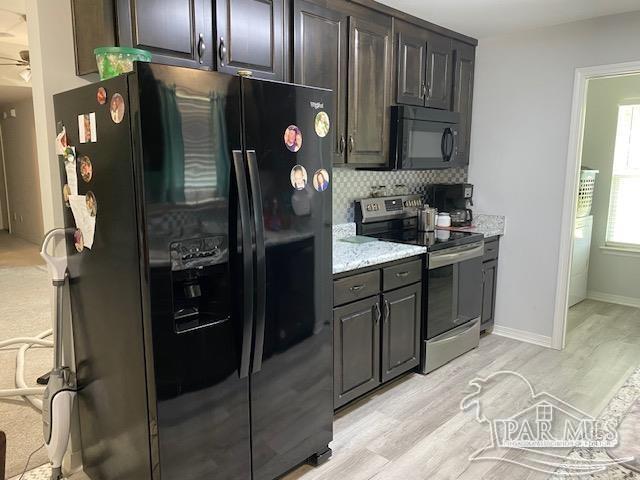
x=572, y=179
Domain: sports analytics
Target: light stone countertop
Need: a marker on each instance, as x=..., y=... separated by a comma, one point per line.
x=488, y=225
x=349, y=256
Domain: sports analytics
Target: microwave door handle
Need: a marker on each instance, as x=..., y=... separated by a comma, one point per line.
x=247, y=263
x=443, y=144
x=453, y=144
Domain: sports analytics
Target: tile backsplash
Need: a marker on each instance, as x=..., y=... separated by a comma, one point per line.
x=349, y=185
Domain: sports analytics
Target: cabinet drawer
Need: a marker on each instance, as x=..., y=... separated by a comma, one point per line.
x=353, y=288
x=490, y=250
x=403, y=274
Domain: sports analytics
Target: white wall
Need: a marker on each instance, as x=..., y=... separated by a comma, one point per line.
x=53, y=67
x=522, y=102
x=611, y=274
x=21, y=170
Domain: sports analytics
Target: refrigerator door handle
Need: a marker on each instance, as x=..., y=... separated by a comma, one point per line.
x=247, y=263
x=261, y=275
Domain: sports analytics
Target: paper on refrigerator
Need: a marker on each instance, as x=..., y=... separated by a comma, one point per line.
x=82, y=216
x=70, y=169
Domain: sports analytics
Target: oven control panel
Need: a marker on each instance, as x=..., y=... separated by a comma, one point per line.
x=387, y=208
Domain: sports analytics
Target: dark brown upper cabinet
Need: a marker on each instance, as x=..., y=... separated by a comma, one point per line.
x=465, y=55
x=424, y=74
x=250, y=36
x=368, y=92
x=439, y=72
x=176, y=32
x=323, y=63
x=412, y=57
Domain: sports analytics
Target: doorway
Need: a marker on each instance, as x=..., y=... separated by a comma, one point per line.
x=599, y=274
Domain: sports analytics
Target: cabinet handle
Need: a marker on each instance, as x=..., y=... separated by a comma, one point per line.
x=356, y=288
x=342, y=144
x=378, y=313
x=387, y=310
x=201, y=48
x=351, y=143
x=423, y=90
x=222, y=51
x=430, y=89
x=402, y=274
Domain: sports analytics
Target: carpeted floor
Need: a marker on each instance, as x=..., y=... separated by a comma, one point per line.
x=25, y=310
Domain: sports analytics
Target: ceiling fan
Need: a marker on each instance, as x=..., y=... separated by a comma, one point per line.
x=23, y=61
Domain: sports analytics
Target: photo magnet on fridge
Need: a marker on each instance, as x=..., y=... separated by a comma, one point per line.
x=293, y=138
x=321, y=180
x=298, y=177
x=322, y=124
x=101, y=96
x=61, y=141
x=87, y=128
x=116, y=107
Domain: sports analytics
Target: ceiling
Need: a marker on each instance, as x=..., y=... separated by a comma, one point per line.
x=487, y=18
x=13, y=38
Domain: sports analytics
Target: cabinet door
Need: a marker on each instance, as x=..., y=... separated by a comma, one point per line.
x=489, y=276
x=368, y=98
x=463, y=96
x=176, y=32
x=356, y=349
x=411, y=87
x=402, y=310
x=323, y=63
x=250, y=36
x=439, y=72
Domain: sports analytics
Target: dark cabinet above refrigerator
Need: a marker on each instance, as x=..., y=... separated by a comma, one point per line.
x=226, y=35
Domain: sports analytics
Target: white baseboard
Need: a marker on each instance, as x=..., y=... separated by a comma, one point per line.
x=522, y=336
x=610, y=298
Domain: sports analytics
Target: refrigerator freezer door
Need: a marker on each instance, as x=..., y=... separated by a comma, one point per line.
x=190, y=126
x=105, y=285
x=291, y=385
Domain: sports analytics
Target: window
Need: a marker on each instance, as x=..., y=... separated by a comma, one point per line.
x=623, y=225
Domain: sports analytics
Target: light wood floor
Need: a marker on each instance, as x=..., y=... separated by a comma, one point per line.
x=16, y=252
x=414, y=429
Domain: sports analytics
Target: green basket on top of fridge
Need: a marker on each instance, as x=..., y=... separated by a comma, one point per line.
x=114, y=61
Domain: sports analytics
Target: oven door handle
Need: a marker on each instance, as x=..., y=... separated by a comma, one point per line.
x=442, y=260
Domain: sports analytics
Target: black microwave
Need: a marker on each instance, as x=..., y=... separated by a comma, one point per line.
x=423, y=138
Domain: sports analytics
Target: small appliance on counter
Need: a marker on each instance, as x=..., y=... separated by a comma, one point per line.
x=427, y=218
x=452, y=278
x=455, y=200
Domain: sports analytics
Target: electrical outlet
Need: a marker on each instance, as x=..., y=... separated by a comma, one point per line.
x=21, y=219
x=12, y=112
x=15, y=217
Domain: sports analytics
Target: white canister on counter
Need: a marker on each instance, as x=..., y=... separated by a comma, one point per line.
x=443, y=220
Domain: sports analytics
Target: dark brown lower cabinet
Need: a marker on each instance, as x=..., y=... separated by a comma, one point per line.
x=489, y=280
x=356, y=344
x=489, y=275
x=375, y=338
x=401, y=330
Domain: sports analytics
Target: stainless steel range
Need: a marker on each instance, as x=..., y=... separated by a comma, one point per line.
x=452, y=279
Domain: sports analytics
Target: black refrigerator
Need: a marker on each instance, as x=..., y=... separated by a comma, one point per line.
x=202, y=306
